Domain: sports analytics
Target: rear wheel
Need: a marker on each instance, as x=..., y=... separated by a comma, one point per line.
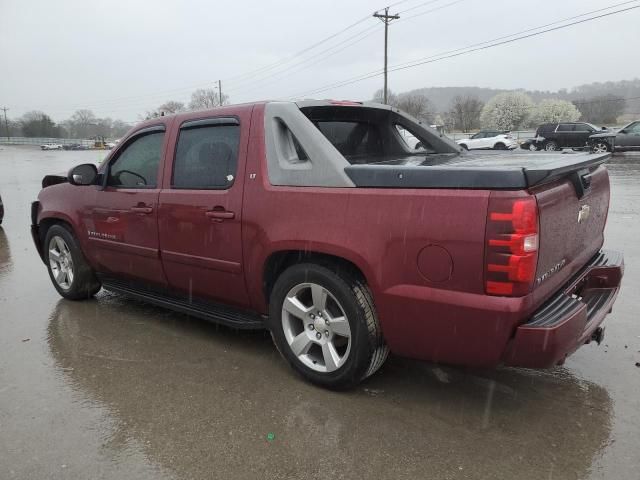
x=600, y=147
x=323, y=322
x=533, y=147
x=551, y=146
x=69, y=271
x=464, y=145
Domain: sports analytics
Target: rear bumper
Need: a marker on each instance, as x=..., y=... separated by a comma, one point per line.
x=570, y=318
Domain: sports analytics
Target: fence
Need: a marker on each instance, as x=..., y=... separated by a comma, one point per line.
x=42, y=141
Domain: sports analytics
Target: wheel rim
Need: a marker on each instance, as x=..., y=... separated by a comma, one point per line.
x=532, y=147
x=61, y=262
x=600, y=148
x=316, y=327
x=550, y=147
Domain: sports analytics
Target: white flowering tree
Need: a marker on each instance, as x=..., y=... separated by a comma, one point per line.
x=507, y=111
x=552, y=110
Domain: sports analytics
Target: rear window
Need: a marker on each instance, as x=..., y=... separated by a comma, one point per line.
x=352, y=137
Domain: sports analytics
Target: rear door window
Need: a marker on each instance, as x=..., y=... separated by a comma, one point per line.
x=565, y=127
x=206, y=157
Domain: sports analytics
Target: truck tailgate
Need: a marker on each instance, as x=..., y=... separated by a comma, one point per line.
x=572, y=220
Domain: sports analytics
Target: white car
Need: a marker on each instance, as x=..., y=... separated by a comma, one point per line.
x=51, y=146
x=489, y=139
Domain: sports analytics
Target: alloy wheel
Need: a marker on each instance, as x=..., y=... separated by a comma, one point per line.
x=61, y=262
x=316, y=327
x=600, y=147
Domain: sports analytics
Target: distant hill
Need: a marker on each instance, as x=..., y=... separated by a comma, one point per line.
x=441, y=97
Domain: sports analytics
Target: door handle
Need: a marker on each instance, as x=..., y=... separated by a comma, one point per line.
x=220, y=214
x=143, y=210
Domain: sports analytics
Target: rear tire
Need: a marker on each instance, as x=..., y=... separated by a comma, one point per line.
x=464, y=145
x=70, y=273
x=323, y=322
x=551, y=146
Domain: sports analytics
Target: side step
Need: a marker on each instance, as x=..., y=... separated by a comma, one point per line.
x=216, y=313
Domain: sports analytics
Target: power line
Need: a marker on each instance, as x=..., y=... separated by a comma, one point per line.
x=332, y=51
x=466, y=50
x=328, y=53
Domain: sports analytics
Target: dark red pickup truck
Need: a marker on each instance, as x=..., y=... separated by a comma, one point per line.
x=348, y=230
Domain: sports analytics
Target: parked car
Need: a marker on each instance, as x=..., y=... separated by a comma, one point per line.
x=529, y=144
x=1, y=210
x=75, y=146
x=556, y=136
x=51, y=146
x=489, y=139
x=627, y=139
x=318, y=221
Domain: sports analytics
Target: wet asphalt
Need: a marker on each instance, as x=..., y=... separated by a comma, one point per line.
x=115, y=389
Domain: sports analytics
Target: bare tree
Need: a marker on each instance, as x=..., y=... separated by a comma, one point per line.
x=464, y=112
x=416, y=105
x=392, y=98
x=81, y=124
x=205, y=98
x=602, y=109
x=167, y=108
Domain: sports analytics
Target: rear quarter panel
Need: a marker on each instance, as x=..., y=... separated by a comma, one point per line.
x=381, y=231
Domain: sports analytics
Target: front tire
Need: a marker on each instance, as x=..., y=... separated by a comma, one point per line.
x=499, y=146
x=323, y=322
x=600, y=147
x=464, y=145
x=70, y=273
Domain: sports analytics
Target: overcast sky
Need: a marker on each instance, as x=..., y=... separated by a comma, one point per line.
x=122, y=57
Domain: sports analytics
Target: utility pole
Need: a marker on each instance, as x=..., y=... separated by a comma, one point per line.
x=386, y=19
x=6, y=123
x=220, y=90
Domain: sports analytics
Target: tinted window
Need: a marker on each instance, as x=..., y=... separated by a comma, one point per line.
x=633, y=128
x=583, y=127
x=206, y=157
x=137, y=165
x=352, y=137
x=565, y=127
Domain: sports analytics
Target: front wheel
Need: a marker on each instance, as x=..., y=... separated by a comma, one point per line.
x=323, y=322
x=499, y=146
x=600, y=147
x=464, y=145
x=70, y=273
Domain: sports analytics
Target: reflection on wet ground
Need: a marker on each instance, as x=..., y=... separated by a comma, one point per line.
x=112, y=388
x=195, y=396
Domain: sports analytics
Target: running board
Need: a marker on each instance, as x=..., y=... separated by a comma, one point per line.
x=216, y=313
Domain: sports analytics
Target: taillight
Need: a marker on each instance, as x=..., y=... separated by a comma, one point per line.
x=511, y=250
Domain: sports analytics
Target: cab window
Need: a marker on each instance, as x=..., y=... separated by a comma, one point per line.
x=206, y=157
x=137, y=165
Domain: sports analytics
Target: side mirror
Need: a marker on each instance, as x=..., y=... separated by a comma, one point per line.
x=84, y=174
